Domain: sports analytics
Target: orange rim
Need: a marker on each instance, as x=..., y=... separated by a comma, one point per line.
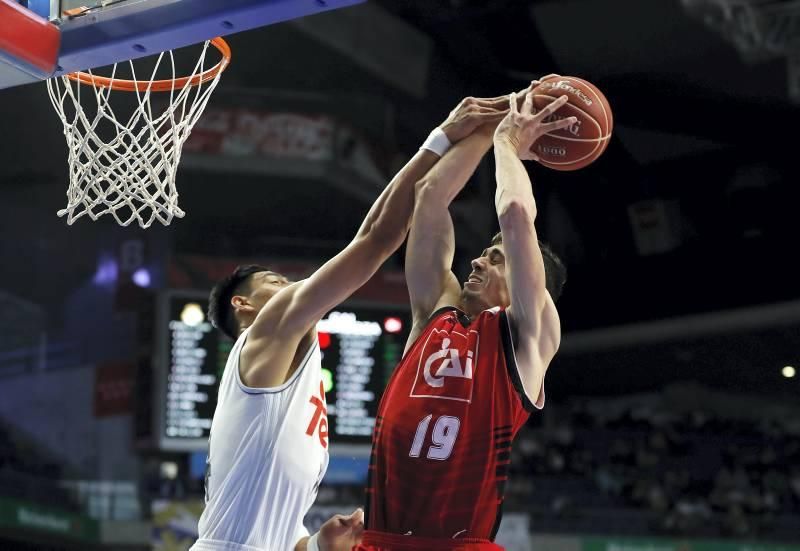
x=159, y=85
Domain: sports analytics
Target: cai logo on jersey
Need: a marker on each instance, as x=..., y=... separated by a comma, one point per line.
x=446, y=365
x=319, y=419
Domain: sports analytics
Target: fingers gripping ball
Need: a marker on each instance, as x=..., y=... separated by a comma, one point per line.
x=582, y=143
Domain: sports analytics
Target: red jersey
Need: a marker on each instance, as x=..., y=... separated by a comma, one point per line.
x=442, y=440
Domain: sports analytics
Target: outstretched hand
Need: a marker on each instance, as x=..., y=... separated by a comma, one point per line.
x=342, y=533
x=522, y=126
x=473, y=113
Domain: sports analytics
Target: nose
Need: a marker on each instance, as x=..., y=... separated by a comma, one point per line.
x=477, y=264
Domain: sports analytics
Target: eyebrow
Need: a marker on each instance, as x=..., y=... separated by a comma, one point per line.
x=493, y=250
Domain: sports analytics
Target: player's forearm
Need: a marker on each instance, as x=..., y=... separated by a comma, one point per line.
x=514, y=190
x=431, y=243
x=429, y=252
x=449, y=176
x=390, y=216
x=391, y=212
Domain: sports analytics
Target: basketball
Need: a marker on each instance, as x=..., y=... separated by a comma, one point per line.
x=579, y=145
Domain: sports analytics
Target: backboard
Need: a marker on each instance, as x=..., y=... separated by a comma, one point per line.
x=85, y=34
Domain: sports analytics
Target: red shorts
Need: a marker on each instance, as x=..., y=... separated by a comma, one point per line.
x=381, y=541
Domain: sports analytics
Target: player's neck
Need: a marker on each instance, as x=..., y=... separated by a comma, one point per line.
x=471, y=306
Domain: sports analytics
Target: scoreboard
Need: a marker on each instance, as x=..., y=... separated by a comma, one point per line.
x=360, y=347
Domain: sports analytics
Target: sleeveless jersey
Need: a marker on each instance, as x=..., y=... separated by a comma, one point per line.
x=268, y=452
x=442, y=440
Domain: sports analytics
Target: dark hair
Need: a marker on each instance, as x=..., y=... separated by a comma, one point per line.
x=554, y=269
x=220, y=311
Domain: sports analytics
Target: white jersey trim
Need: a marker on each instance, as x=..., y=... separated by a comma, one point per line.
x=274, y=389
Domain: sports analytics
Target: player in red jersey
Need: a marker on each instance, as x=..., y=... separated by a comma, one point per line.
x=476, y=358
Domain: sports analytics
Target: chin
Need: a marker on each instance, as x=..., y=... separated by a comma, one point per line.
x=467, y=293
x=473, y=297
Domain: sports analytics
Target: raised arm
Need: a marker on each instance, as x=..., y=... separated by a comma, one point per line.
x=293, y=311
x=532, y=312
x=431, y=243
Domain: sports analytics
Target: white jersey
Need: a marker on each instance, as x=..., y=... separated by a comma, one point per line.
x=268, y=452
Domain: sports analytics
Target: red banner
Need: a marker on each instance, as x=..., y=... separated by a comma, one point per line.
x=243, y=132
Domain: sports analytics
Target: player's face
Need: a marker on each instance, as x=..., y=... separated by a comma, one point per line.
x=487, y=281
x=264, y=285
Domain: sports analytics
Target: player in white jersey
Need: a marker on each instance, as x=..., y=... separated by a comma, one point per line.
x=268, y=449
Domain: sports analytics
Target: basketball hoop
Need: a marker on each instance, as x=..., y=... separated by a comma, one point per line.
x=126, y=167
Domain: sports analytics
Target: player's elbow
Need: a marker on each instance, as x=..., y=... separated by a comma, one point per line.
x=516, y=214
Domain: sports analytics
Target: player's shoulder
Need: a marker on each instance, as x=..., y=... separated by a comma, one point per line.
x=271, y=320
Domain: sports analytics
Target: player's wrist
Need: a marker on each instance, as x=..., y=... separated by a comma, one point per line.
x=437, y=142
x=505, y=143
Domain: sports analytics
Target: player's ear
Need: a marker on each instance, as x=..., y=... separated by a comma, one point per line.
x=241, y=303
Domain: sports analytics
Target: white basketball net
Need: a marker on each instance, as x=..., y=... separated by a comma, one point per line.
x=125, y=166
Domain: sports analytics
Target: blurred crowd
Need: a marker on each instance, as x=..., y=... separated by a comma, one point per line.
x=693, y=473
x=27, y=473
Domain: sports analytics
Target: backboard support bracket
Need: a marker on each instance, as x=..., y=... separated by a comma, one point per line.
x=119, y=30
x=138, y=28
